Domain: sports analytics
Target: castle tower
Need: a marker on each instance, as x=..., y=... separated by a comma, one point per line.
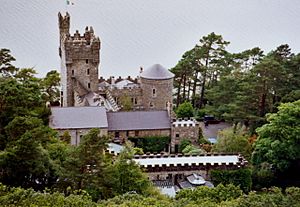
x=80, y=57
x=157, y=84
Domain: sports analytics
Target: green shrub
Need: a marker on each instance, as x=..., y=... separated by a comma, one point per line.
x=151, y=144
x=240, y=177
x=183, y=143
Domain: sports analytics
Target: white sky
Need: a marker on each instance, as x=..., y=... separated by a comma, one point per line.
x=138, y=33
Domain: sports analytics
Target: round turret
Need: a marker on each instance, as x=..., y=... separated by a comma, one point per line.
x=157, y=86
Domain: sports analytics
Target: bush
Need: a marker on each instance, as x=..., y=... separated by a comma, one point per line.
x=241, y=177
x=183, y=143
x=151, y=144
x=185, y=110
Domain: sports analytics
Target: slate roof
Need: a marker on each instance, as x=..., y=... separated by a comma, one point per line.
x=78, y=117
x=157, y=72
x=138, y=120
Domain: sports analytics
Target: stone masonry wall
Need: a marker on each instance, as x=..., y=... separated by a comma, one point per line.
x=184, y=130
x=76, y=134
x=123, y=135
x=131, y=93
x=163, y=93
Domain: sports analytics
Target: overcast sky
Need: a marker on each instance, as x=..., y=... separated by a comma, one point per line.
x=138, y=33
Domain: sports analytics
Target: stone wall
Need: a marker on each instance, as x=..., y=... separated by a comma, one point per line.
x=159, y=99
x=184, y=129
x=80, y=57
x=123, y=135
x=76, y=134
x=135, y=94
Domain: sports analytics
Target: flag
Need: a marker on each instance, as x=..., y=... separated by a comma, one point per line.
x=69, y=2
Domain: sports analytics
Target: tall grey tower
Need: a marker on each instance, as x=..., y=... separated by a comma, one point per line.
x=80, y=57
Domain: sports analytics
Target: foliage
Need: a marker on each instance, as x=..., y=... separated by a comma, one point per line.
x=135, y=200
x=21, y=197
x=6, y=68
x=185, y=110
x=88, y=167
x=183, y=143
x=240, y=177
x=278, y=141
x=138, y=151
x=127, y=175
x=225, y=196
x=192, y=150
x=151, y=144
x=66, y=137
x=234, y=140
x=50, y=86
x=217, y=194
x=126, y=103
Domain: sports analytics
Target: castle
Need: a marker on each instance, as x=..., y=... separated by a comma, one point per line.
x=80, y=58
x=123, y=107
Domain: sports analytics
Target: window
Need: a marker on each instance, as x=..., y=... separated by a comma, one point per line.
x=117, y=134
x=86, y=61
x=127, y=133
x=136, y=133
x=153, y=92
x=89, y=85
x=72, y=72
x=134, y=101
x=88, y=71
x=177, y=135
x=151, y=105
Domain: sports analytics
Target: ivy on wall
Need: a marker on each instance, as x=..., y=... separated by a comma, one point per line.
x=151, y=143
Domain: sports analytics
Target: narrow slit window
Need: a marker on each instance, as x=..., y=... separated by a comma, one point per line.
x=86, y=61
x=89, y=85
x=88, y=71
x=153, y=92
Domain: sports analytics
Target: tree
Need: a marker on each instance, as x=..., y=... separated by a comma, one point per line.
x=126, y=102
x=217, y=194
x=50, y=86
x=234, y=140
x=278, y=141
x=66, y=137
x=6, y=68
x=185, y=110
x=127, y=175
x=26, y=161
x=87, y=166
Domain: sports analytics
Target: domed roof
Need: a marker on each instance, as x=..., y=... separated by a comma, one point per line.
x=157, y=72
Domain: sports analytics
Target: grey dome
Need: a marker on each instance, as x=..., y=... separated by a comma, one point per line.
x=157, y=72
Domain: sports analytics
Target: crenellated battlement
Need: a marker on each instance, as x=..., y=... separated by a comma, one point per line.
x=113, y=80
x=87, y=39
x=186, y=122
x=180, y=160
x=64, y=22
x=80, y=57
